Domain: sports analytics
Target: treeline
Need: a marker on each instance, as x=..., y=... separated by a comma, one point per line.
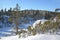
x=5, y=12
x=37, y=14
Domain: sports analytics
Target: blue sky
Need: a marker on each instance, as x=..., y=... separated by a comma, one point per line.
x=50, y=5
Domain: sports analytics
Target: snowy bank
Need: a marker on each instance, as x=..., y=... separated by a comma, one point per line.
x=36, y=37
x=38, y=21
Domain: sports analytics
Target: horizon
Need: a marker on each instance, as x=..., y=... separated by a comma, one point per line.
x=49, y=5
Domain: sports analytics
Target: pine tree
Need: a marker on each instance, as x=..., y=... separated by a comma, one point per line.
x=15, y=16
x=29, y=30
x=34, y=31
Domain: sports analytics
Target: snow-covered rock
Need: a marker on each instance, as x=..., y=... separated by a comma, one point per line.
x=38, y=21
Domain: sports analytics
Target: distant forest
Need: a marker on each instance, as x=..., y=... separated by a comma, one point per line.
x=37, y=14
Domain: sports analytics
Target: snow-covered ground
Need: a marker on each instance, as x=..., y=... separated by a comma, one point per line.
x=36, y=37
x=6, y=34
x=6, y=31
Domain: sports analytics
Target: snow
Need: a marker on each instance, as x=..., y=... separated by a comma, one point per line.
x=6, y=32
x=36, y=37
x=38, y=21
x=6, y=16
x=24, y=25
